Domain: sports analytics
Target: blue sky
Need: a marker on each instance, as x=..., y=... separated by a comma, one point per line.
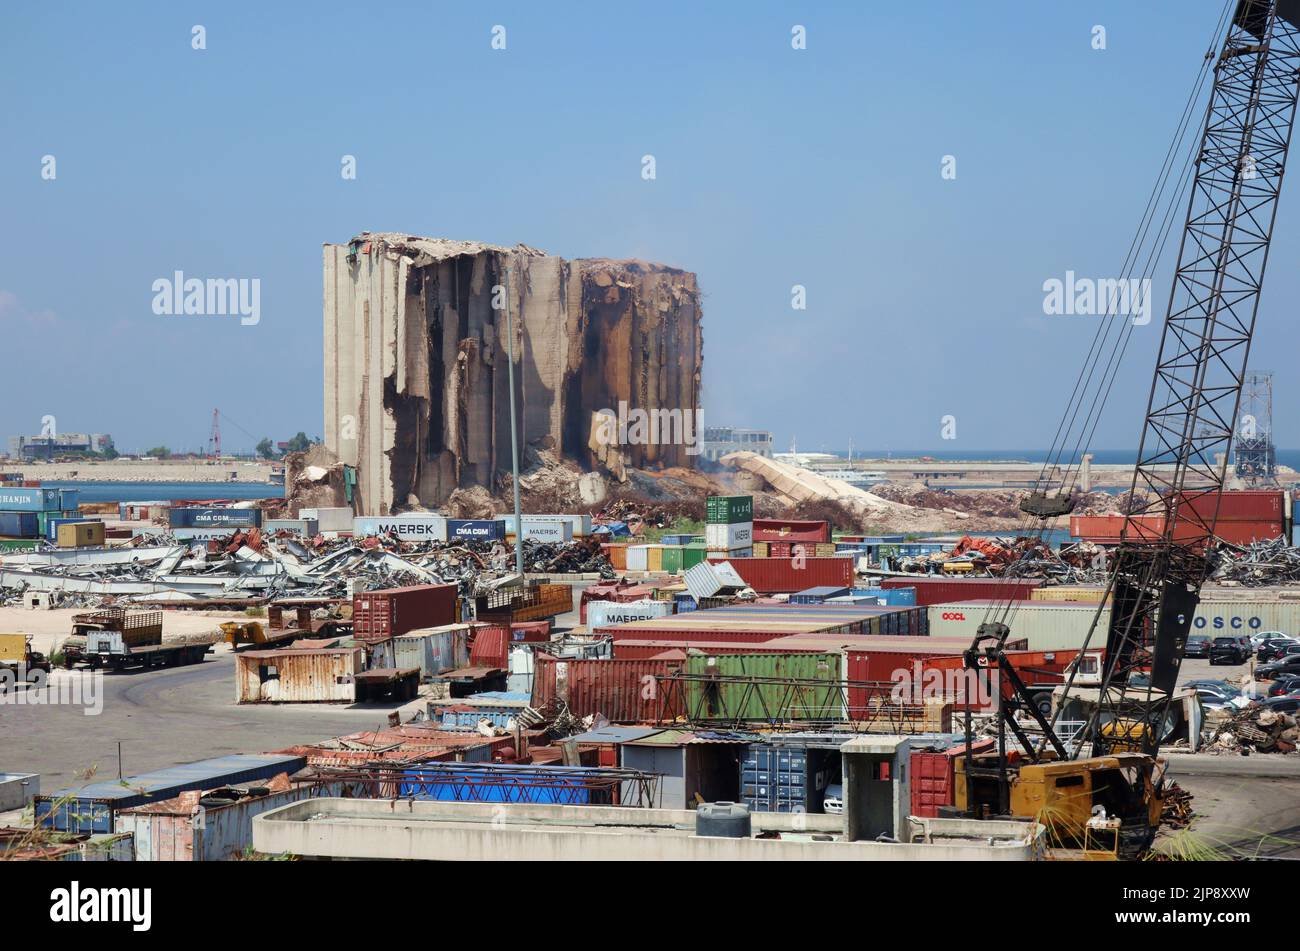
x=775, y=167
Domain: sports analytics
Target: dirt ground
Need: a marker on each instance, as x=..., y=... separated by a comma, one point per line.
x=50, y=627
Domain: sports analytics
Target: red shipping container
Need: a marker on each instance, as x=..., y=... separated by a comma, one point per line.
x=530, y=632
x=491, y=647
x=789, y=575
x=934, y=778
x=931, y=590
x=379, y=615
x=784, y=530
x=624, y=691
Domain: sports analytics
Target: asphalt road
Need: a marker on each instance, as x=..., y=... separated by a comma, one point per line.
x=161, y=718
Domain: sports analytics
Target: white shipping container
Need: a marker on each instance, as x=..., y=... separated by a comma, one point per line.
x=1045, y=625
x=303, y=527
x=1063, y=625
x=335, y=519
x=606, y=613
x=553, y=531
x=638, y=558
x=408, y=528
x=746, y=552
x=581, y=523
x=729, y=537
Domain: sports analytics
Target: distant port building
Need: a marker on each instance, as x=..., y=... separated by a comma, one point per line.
x=721, y=440
x=47, y=447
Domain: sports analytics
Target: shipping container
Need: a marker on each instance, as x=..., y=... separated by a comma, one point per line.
x=92, y=807
x=408, y=528
x=378, y=615
x=433, y=649
x=214, y=517
x=29, y=500
x=291, y=675
x=302, y=527
x=726, y=509
x=68, y=499
x=19, y=525
x=1045, y=625
x=475, y=529
x=172, y=831
x=898, y=597
x=934, y=590
x=530, y=632
x=729, y=536
x=550, y=531
x=933, y=777
x=654, y=557
x=616, y=552
x=601, y=614
x=758, y=622
x=80, y=534
x=623, y=691
x=580, y=524
x=817, y=595
x=778, y=575
x=786, y=530
x=1088, y=594
x=491, y=646
x=638, y=557
x=331, y=519
x=612, y=591
x=730, y=698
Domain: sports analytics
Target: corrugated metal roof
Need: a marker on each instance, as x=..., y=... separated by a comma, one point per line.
x=616, y=734
x=205, y=774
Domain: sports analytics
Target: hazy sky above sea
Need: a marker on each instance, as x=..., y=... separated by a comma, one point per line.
x=774, y=167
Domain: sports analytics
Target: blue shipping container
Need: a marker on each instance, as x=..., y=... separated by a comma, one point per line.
x=480, y=529
x=68, y=499
x=20, y=525
x=29, y=500
x=214, y=517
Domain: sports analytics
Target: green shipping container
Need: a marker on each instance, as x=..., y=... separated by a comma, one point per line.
x=693, y=554
x=729, y=509
x=671, y=559
x=17, y=544
x=765, y=702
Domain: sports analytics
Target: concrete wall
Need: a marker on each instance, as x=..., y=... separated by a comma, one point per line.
x=403, y=829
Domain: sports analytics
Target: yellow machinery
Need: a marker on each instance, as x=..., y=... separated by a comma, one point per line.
x=1098, y=807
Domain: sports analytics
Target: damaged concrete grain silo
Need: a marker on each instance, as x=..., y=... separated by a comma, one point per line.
x=416, y=392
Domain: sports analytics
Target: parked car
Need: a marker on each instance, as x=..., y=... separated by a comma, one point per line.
x=1284, y=684
x=1270, y=671
x=833, y=800
x=1286, y=704
x=1198, y=645
x=1266, y=651
x=1257, y=640
x=1229, y=650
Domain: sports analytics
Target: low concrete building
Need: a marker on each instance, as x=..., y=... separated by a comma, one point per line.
x=487, y=831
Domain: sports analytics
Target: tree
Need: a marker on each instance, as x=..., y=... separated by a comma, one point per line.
x=266, y=449
x=299, y=443
x=159, y=452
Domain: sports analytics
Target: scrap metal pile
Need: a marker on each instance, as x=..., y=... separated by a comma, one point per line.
x=1258, y=564
x=1025, y=556
x=249, y=565
x=1256, y=729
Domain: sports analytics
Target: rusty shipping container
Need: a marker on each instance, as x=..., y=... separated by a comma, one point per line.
x=321, y=675
x=623, y=691
x=932, y=590
x=788, y=575
x=788, y=530
x=378, y=615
